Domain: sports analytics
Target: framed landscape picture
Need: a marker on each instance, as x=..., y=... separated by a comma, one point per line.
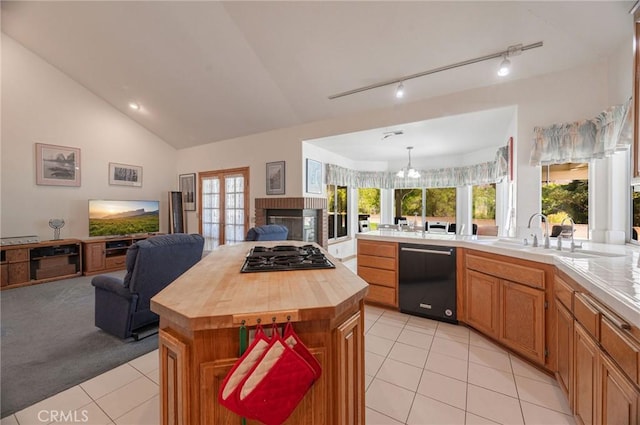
x=314, y=176
x=275, y=178
x=125, y=175
x=57, y=165
x=188, y=189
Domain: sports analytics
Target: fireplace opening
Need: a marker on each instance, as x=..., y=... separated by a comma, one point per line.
x=302, y=224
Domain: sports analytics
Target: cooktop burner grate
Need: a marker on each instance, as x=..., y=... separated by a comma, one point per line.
x=284, y=258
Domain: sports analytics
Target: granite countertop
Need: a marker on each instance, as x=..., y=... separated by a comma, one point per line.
x=214, y=294
x=610, y=272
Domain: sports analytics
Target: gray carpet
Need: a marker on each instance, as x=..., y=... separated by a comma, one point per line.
x=49, y=343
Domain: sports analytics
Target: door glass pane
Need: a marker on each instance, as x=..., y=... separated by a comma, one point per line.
x=210, y=212
x=234, y=209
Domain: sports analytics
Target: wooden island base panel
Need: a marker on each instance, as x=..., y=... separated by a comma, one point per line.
x=200, y=316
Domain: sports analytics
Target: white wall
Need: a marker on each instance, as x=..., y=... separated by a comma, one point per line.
x=565, y=96
x=41, y=104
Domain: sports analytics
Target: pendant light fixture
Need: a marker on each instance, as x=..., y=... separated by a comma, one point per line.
x=408, y=171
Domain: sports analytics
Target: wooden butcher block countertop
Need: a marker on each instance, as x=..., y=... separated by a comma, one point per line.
x=214, y=294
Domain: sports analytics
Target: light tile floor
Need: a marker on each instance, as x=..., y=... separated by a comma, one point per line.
x=417, y=372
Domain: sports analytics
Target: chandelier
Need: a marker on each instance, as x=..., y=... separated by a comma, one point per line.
x=408, y=171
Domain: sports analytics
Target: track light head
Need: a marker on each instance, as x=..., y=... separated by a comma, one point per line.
x=505, y=67
x=400, y=91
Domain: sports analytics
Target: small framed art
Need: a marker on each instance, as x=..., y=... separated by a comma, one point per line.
x=125, y=175
x=314, y=176
x=188, y=189
x=57, y=165
x=275, y=178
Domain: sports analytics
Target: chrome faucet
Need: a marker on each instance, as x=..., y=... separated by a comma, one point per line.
x=573, y=225
x=546, y=228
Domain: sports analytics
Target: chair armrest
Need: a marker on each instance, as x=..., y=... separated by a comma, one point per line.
x=111, y=284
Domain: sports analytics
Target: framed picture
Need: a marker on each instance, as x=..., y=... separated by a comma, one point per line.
x=314, y=176
x=188, y=189
x=125, y=175
x=275, y=178
x=57, y=165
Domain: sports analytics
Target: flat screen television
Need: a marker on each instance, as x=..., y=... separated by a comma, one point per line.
x=120, y=217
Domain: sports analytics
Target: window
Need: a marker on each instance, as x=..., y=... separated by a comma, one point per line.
x=369, y=206
x=408, y=205
x=484, y=205
x=441, y=205
x=565, y=193
x=337, y=211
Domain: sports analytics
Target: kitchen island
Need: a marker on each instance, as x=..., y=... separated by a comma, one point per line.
x=200, y=316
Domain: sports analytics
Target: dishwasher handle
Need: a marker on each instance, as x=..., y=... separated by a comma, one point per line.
x=426, y=251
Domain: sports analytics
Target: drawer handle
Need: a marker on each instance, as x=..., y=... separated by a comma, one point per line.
x=613, y=319
x=426, y=251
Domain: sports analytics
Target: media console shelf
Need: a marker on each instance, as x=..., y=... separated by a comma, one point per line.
x=106, y=254
x=38, y=262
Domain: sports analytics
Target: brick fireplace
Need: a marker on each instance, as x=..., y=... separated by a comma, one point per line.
x=318, y=205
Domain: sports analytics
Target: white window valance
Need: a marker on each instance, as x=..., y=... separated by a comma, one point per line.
x=477, y=174
x=582, y=141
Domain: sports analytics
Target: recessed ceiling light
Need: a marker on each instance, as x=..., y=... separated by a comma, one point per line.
x=135, y=106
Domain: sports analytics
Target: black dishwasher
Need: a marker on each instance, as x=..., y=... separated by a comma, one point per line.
x=427, y=281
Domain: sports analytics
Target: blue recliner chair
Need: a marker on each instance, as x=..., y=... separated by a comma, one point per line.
x=122, y=307
x=268, y=232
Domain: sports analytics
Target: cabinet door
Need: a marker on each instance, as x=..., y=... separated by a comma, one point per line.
x=522, y=319
x=564, y=348
x=584, y=379
x=349, y=397
x=94, y=257
x=481, y=302
x=618, y=399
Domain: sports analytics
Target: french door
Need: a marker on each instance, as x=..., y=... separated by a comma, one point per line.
x=224, y=206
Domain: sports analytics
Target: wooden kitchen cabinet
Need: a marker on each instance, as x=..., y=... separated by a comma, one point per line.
x=564, y=349
x=506, y=301
x=522, y=319
x=481, y=307
x=378, y=266
x=350, y=336
x=585, y=361
x=603, y=366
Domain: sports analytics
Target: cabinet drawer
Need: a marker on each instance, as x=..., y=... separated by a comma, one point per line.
x=564, y=293
x=379, y=249
x=378, y=276
x=586, y=313
x=514, y=272
x=621, y=348
x=377, y=262
x=115, y=261
x=382, y=295
x=15, y=255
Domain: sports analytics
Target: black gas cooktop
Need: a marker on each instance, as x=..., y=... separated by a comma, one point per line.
x=285, y=257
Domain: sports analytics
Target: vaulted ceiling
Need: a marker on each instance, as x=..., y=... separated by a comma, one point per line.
x=209, y=71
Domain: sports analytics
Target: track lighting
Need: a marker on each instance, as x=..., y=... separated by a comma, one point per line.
x=511, y=51
x=505, y=67
x=408, y=171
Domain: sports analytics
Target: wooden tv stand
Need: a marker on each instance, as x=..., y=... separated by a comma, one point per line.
x=106, y=254
x=38, y=262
